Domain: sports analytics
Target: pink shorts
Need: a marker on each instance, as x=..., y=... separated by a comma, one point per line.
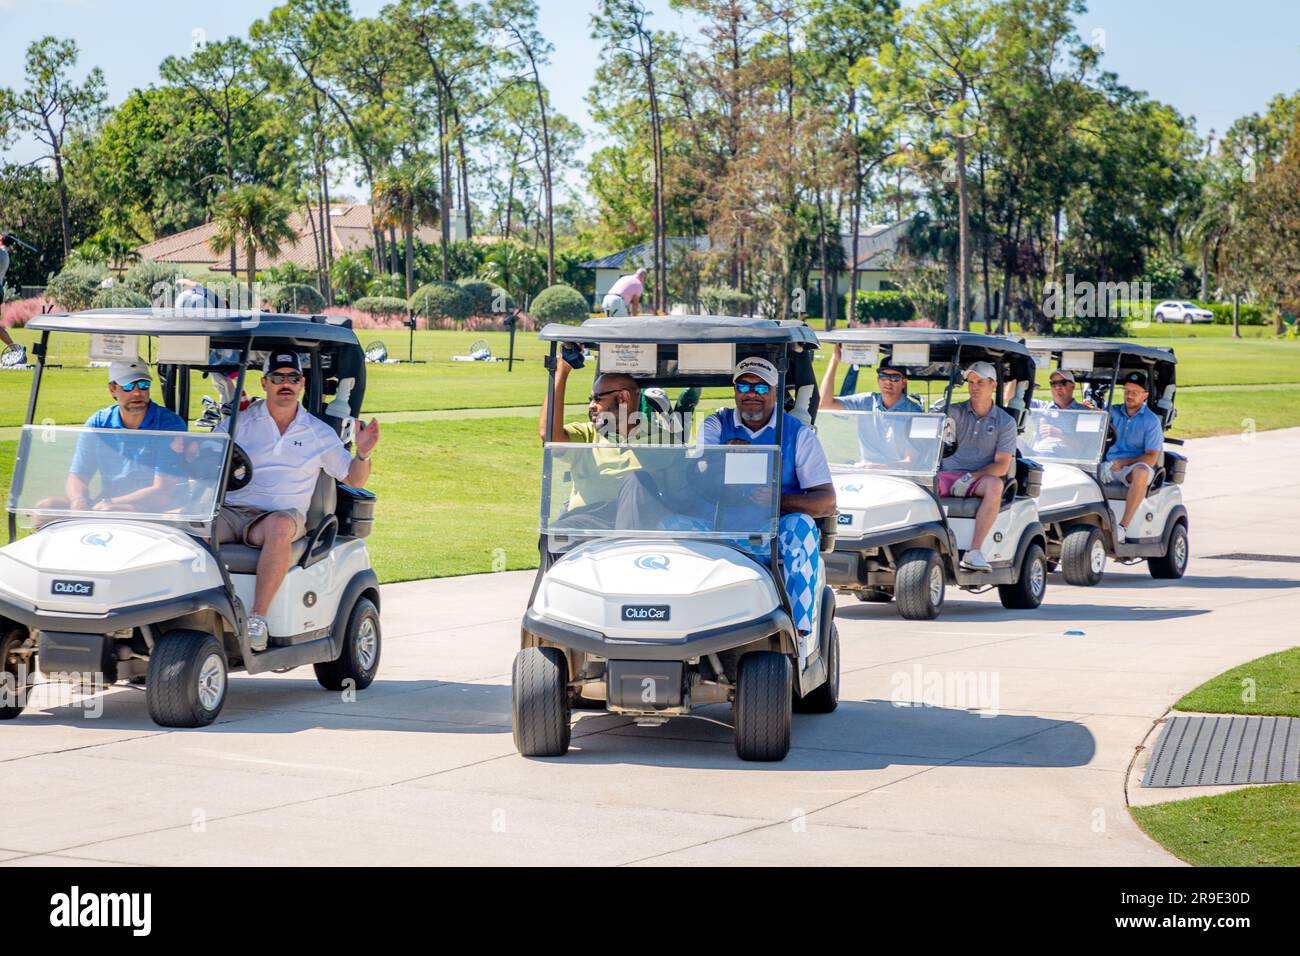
x=948, y=478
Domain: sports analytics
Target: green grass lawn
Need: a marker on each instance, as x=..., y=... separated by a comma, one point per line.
x=1274, y=680
x=1254, y=826
x=453, y=497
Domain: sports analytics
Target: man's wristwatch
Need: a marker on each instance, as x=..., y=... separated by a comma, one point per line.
x=361, y=457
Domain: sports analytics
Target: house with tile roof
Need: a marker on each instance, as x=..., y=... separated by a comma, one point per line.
x=348, y=228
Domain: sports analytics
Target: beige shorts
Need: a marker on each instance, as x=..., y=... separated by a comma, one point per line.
x=1125, y=475
x=235, y=521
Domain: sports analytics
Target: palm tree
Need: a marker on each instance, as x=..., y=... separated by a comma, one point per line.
x=254, y=218
x=406, y=196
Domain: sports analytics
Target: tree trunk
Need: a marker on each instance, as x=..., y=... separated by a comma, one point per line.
x=828, y=321
x=953, y=286
x=1205, y=270
x=410, y=259
x=464, y=175
x=1236, y=310
x=444, y=191
x=63, y=211
x=393, y=267
x=855, y=213
x=963, y=239
x=250, y=250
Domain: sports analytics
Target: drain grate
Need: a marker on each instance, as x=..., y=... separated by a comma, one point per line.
x=1202, y=751
x=1244, y=556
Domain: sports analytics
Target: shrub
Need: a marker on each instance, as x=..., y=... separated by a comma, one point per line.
x=287, y=273
x=721, y=300
x=350, y=275
x=76, y=285
x=293, y=297
x=441, y=300
x=877, y=307
x=1247, y=314
x=381, y=305
x=390, y=285
x=559, y=303
x=151, y=279
x=119, y=297
x=484, y=296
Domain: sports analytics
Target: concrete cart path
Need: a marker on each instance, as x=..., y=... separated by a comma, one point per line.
x=1021, y=758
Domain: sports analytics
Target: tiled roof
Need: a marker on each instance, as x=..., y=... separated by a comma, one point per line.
x=349, y=228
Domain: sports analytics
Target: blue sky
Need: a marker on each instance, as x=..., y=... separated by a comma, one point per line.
x=1212, y=60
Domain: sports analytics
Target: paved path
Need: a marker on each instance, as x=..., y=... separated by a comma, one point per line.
x=421, y=767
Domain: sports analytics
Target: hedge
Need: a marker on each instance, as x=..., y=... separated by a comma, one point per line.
x=76, y=286
x=153, y=280
x=721, y=300
x=119, y=297
x=441, y=300
x=380, y=305
x=1247, y=314
x=484, y=296
x=893, y=306
x=559, y=303
x=294, y=297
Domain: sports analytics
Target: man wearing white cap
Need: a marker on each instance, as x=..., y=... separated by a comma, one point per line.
x=806, y=488
x=985, y=436
x=131, y=477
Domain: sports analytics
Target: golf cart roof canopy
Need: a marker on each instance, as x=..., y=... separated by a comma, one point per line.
x=683, y=330
x=227, y=327
x=941, y=349
x=931, y=337
x=1150, y=353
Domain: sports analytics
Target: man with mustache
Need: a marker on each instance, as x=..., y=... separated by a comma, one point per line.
x=288, y=447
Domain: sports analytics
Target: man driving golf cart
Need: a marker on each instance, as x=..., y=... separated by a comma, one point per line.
x=1139, y=442
x=288, y=448
x=687, y=586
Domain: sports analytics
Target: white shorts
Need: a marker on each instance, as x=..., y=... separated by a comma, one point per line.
x=1125, y=475
x=614, y=305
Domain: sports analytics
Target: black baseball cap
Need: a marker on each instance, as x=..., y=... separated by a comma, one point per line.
x=888, y=366
x=282, y=359
x=1136, y=378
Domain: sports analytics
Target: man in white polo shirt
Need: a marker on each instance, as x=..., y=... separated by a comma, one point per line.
x=288, y=447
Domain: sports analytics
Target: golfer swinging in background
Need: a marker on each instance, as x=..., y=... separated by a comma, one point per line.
x=624, y=296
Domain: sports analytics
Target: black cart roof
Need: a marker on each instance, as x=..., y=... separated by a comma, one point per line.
x=1151, y=353
x=227, y=327
x=932, y=337
x=684, y=329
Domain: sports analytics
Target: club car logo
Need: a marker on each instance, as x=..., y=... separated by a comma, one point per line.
x=73, y=588
x=646, y=612
x=652, y=562
x=98, y=538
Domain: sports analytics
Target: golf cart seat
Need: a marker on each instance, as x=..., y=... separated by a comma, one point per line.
x=1116, y=491
x=967, y=507
x=322, y=527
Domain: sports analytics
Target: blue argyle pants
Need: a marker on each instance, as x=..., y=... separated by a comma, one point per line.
x=799, y=544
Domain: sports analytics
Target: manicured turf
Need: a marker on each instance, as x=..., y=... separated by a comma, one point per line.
x=1254, y=826
x=454, y=497
x=1235, y=411
x=1273, y=681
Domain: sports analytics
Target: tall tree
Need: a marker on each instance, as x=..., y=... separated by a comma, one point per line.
x=252, y=218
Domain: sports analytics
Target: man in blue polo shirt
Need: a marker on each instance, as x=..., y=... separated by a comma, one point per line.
x=881, y=443
x=1139, y=440
x=133, y=475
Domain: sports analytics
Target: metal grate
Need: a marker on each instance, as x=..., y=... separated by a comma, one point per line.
x=1244, y=556
x=1203, y=751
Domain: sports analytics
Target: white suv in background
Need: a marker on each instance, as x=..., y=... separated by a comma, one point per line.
x=1185, y=312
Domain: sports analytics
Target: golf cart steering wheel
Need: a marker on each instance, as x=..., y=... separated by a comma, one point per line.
x=241, y=468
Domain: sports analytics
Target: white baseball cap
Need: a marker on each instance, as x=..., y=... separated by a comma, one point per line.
x=983, y=370
x=123, y=373
x=757, y=366
x=1065, y=374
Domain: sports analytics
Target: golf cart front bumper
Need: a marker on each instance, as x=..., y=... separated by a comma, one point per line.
x=868, y=560
x=118, y=619
x=688, y=646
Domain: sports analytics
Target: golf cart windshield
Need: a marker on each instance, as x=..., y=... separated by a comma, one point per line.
x=1069, y=436
x=674, y=491
x=65, y=471
x=899, y=442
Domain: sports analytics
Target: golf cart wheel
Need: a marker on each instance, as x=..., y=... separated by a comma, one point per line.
x=762, y=711
x=1173, y=563
x=17, y=676
x=358, y=662
x=539, y=702
x=1031, y=584
x=187, y=681
x=873, y=596
x=919, y=584
x=825, y=697
x=1083, y=555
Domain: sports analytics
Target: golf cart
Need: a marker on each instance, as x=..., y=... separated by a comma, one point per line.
x=898, y=539
x=1078, y=509
x=100, y=592
x=659, y=588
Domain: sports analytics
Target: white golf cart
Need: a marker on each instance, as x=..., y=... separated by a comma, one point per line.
x=660, y=588
x=1079, y=511
x=103, y=593
x=898, y=539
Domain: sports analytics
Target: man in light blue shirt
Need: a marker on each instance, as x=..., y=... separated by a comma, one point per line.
x=1139, y=441
x=881, y=442
x=1051, y=438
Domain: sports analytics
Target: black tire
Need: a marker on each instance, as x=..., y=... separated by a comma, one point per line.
x=358, y=662
x=826, y=696
x=1173, y=563
x=1083, y=555
x=919, y=584
x=19, y=675
x=763, y=705
x=187, y=681
x=1027, y=592
x=873, y=596
x=539, y=702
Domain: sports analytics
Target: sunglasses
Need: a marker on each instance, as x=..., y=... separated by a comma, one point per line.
x=280, y=378
x=888, y=377
x=597, y=396
x=143, y=384
x=759, y=388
